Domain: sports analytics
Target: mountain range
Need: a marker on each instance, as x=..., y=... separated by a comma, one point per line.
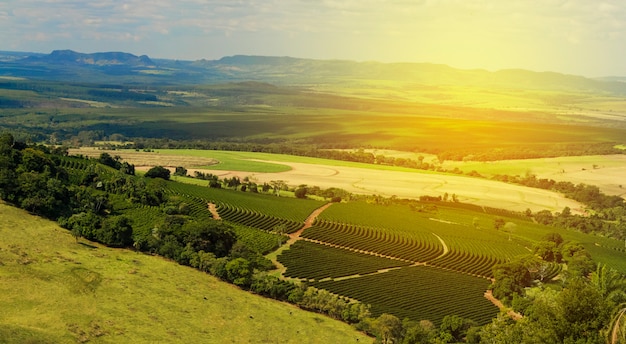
x=126, y=68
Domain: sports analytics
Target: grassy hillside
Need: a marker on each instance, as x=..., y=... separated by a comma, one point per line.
x=55, y=290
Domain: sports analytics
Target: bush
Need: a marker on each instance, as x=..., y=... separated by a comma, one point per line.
x=158, y=172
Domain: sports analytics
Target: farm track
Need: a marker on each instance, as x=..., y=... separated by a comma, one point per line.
x=445, y=247
x=213, y=210
x=511, y=313
x=295, y=236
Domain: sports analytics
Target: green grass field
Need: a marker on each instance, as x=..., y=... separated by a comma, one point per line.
x=55, y=290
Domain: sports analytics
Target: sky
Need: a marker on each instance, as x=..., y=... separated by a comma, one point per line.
x=582, y=37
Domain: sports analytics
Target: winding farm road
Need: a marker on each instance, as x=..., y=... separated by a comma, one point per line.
x=295, y=236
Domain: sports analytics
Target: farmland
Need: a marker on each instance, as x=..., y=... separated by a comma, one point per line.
x=420, y=231
x=353, y=245
x=78, y=292
x=364, y=178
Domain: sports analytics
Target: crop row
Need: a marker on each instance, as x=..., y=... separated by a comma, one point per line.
x=258, y=240
x=144, y=217
x=314, y=261
x=296, y=210
x=466, y=253
x=395, y=217
x=368, y=239
x=419, y=293
x=475, y=264
x=255, y=219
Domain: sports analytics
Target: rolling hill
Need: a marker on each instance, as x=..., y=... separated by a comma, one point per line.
x=56, y=290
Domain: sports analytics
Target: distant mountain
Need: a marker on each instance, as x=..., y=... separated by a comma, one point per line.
x=125, y=68
x=70, y=57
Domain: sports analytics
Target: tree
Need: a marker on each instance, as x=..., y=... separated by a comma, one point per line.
x=498, y=223
x=509, y=228
x=510, y=279
x=609, y=283
x=417, y=332
x=108, y=160
x=180, y=171
x=239, y=272
x=158, y=172
x=85, y=224
x=554, y=237
x=453, y=328
x=546, y=250
x=583, y=310
x=116, y=231
x=277, y=185
x=388, y=328
x=301, y=191
x=209, y=236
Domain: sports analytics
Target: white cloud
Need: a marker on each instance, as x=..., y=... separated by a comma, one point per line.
x=332, y=28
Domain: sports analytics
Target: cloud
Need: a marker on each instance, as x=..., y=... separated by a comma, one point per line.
x=421, y=30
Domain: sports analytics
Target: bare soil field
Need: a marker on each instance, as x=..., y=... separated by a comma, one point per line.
x=410, y=185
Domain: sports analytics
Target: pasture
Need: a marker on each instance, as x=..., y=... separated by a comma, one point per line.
x=80, y=291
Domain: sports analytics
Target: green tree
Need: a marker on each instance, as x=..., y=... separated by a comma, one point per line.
x=108, y=160
x=84, y=224
x=417, y=332
x=158, y=172
x=498, y=223
x=388, y=328
x=209, y=236
x=453, y=328
x=584, y=312
x=180, y=171
x=239, y=272
x=116, y=231
x=301, y=191
x=510, y=279
x=610, y=283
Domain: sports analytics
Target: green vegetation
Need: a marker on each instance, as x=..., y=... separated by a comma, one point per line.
x=405, y=271
x=254, y=202
x=419, y=293
x=314, y=261
x=230, y=161
x=84, y=292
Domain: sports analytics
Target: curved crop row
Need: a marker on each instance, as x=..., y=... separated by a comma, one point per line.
x=255, y=219
x=314, y=261
x=419, y=293
x=292, y=209
x=475, y=264
x=258, y=240
x=375, y=240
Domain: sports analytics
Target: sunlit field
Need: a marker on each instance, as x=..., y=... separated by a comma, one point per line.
x=54, y=289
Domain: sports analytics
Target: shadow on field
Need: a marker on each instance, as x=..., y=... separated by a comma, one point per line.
x=88, y=245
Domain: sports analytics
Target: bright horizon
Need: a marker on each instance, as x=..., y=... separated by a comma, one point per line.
x=574, y=37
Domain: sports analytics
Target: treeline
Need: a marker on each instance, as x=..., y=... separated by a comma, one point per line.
x=345, y=151
x=607, y=216
x=92, y=197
